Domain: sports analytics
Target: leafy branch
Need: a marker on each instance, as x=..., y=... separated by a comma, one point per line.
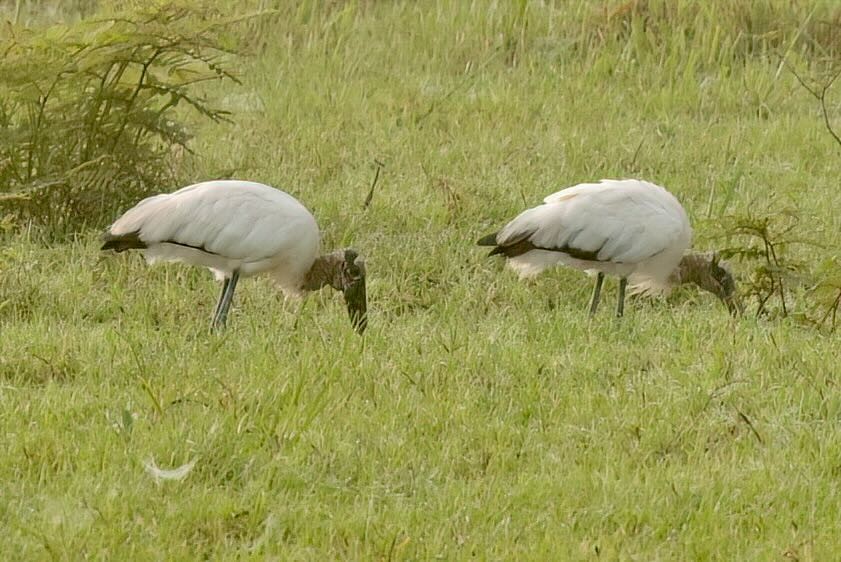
x=826, y=292
x=89, y=113
x=819, y=92
x=763, y=241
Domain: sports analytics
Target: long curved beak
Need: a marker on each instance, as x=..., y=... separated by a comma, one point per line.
x=357, y=304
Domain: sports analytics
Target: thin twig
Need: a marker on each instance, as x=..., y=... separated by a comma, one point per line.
x=378, y=166
x=826, y=112
x=802, y=82
x=833, y=310
x=747, y=421
x=821, y=97
x=636, y=154
x=761, y=308
x=779, y=277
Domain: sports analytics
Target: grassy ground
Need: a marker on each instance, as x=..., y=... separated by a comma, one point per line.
x=479, y=416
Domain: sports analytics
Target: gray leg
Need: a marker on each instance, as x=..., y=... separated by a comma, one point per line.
x=225, y=301
x=221, y=297
x=620, y=307
x=597, y=291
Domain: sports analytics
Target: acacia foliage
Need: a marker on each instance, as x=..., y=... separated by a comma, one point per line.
x=91, y=113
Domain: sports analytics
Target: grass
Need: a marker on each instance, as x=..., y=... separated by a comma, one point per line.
x=479, y=417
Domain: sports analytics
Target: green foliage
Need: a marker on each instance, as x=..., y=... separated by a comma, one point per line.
x=90, y=113
x=826, y=293
x=480, y=418
x=765, y=245
x=763, y=242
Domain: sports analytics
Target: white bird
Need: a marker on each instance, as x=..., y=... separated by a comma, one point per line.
x=239, y=229
x=630, y=228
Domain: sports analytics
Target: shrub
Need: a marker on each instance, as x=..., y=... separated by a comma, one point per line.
x=91, y=113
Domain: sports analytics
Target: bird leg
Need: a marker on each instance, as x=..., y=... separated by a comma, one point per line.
x=225, y=301
x=597, y=291
x=620, y=307
x=221, y=297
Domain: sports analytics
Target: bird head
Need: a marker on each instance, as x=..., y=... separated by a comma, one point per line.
x=352, y=283
x=713, y=274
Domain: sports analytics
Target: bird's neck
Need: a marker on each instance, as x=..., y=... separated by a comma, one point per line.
x=326, y=270
x=692, y=269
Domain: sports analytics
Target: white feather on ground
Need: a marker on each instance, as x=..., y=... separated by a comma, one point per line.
x=179, y=473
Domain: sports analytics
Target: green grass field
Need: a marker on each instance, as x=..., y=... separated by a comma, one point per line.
x=479, y=417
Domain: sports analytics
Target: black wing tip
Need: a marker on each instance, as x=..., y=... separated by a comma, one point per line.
x=489, y=240
x=498, y=251
x=122, y=242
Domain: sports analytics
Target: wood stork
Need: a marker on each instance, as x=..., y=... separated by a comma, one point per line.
x=630, y=228
x=239, y=229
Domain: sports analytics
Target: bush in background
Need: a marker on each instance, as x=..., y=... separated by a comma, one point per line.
x=91, y=113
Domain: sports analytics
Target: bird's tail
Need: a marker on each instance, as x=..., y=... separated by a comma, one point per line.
x=489, y=240
x=122, y=242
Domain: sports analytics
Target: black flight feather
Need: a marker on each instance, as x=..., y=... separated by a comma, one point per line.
x=132, y=241
x=519, y=245
x=123, y=242
x=489, y=240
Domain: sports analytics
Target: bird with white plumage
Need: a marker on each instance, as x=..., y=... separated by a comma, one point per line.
x=632, y=229
x=241, y=229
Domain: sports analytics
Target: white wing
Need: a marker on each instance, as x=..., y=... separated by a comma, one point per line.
x=235, y=219
x=618, y=221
